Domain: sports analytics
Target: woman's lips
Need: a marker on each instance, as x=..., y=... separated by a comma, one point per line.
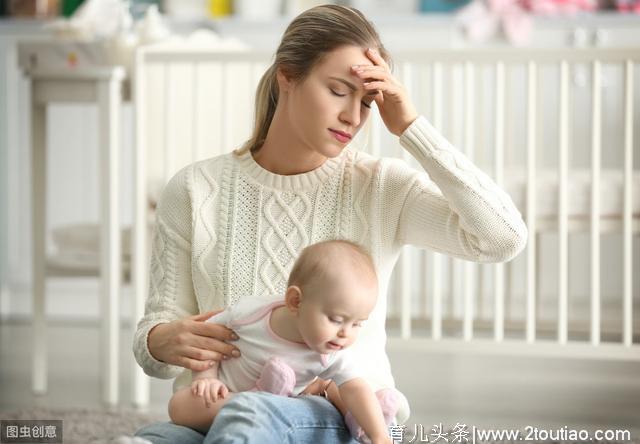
x=342, y=137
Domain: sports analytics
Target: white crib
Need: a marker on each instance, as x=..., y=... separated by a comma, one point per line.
x=520, y=115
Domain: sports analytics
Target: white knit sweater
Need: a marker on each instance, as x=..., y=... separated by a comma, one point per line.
x=227, y=228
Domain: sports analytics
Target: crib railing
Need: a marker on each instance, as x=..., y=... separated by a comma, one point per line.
x=533, y=62
x=568, y=62
x=495, y=105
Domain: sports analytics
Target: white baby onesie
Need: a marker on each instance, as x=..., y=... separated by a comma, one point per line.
x=250, y=319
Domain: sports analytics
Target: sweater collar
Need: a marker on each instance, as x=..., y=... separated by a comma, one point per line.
x=295, y=182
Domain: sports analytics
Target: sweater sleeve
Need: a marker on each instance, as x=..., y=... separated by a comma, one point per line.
x=171, y=295
x=455, y=208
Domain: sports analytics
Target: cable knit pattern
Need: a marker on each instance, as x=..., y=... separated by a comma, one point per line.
x=467, y=187
x=201, y=256
x=362, y=178
x=242, y=227
x=285, y=235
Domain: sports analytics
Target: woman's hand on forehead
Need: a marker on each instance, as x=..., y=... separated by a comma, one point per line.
x=394, y=105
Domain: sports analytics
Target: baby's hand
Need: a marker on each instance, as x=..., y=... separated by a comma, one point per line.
x=209, y=389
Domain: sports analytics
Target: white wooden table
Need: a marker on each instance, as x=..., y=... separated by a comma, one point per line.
x=103, y=86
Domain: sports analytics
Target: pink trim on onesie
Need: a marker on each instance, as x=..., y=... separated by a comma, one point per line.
x=255, y=316
x=262, y=312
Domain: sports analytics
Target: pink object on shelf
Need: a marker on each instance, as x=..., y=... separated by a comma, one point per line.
x=557, y=7
x=482, y=19
x=628, y=6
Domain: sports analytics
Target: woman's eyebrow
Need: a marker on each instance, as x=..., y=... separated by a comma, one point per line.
x=352, y=86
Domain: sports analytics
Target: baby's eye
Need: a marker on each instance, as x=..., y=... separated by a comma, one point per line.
x=357, y=324
x=335, y=320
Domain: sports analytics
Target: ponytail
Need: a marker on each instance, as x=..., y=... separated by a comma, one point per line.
x=266, y=101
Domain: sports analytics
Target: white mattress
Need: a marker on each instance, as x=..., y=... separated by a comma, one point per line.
x=578, y=193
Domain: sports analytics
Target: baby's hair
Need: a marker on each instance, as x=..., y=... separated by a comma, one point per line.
x=316, y=262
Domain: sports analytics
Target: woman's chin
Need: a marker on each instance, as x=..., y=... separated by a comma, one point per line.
x=333, y=151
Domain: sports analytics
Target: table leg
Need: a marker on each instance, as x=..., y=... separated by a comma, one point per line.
x=110, y=255
x=38, y=211
x=140, y=246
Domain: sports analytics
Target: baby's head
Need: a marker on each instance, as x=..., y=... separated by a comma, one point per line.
x=332, y=289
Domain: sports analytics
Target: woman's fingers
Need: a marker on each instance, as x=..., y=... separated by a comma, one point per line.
x=200, y=317
x=384, y=87
x=376, y=78
x=191, y=343
x=200, y=354
x=214, y=336
x=377, y=58
x=213, y=330
x=197, y=350
x=368, y=71
x=215, y=346
x=193, y=364
x=394, y=105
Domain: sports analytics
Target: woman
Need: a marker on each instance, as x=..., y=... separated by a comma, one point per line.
x=233, y=225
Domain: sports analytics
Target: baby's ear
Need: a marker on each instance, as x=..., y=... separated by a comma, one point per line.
x=292, y=298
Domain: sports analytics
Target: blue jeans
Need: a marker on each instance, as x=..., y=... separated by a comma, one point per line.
x=258, y=417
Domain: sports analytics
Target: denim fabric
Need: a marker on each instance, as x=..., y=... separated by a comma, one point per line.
x=258, y=417
x=169, y=433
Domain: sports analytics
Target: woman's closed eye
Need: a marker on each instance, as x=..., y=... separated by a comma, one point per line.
x=365, y=104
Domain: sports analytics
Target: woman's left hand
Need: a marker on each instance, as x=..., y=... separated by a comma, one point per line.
x=394, y=105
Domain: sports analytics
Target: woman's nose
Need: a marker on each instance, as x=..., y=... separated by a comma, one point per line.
x=351, y=115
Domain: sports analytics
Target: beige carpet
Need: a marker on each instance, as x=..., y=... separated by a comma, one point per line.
x=84, y=426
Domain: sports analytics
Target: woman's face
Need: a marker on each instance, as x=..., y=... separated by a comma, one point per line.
x=331, y=100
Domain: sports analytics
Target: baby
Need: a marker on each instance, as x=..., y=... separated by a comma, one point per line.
x=286, y=345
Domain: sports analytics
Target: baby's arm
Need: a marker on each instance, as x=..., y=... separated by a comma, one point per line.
x=360, y=400
x=207, y=385
x=186, y=406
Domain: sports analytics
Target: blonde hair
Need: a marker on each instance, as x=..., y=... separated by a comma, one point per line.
x=317, y=261
x=307, y=40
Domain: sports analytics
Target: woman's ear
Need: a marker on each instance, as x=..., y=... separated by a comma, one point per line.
x=293, y=298
x=284, y=84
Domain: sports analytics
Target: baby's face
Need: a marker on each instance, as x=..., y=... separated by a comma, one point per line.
x=332, y=315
